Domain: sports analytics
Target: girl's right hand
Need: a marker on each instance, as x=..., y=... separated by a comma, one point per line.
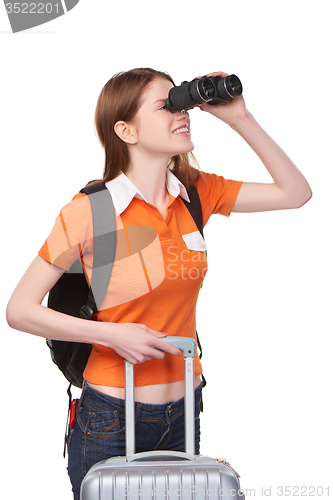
x=137, y=343
x=230, y=112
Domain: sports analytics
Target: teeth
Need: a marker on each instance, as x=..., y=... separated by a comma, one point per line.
x=180, y=130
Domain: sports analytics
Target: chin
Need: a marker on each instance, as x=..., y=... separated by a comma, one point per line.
x=187, y=149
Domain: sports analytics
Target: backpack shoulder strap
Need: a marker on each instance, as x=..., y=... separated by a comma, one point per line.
x=104, y=241
x=194, y=207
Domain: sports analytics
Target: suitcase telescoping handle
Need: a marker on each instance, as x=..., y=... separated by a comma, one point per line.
x=187, y=345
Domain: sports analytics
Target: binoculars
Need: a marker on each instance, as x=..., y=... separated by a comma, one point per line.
x=210, y=89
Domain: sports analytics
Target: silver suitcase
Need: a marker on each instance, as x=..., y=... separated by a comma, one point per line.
x=159, y=475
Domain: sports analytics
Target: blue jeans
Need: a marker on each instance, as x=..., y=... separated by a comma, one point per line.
x=99, y=432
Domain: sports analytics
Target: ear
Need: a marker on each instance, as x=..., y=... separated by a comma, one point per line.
x=126, y=132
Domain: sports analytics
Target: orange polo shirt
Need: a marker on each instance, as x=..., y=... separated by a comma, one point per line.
x=159, y=267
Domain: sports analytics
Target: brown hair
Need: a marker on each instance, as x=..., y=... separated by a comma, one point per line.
x=120, y=100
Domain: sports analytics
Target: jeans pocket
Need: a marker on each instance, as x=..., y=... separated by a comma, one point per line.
x=105, y=422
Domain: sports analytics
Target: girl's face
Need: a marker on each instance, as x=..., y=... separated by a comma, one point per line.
x=159, y=132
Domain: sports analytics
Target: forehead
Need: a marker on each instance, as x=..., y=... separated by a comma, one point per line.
x=158, y=89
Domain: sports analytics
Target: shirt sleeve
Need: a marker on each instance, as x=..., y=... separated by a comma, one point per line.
x=71, y=235
x=217, y=194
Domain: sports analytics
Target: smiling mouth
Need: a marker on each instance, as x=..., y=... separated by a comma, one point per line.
x=181, y=130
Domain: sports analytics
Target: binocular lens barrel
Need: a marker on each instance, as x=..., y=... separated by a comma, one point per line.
x=227, y=88
x=212, y=90
x=206, y=89
x=235, y=85
x=190, y=94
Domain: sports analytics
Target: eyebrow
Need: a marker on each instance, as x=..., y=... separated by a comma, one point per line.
x=160, y=100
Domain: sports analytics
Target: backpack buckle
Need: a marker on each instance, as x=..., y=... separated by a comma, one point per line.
x=86, y=312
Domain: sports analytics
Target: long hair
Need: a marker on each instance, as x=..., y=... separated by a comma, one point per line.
x=120, y=100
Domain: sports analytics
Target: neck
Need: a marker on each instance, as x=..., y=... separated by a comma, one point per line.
x=150, y=177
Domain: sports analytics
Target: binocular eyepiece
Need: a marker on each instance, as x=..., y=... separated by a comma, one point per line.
x=210, y=89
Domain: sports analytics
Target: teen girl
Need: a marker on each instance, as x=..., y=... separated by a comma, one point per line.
x=159, y=265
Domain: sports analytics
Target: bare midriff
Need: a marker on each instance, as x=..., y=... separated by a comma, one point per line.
x=150, y=394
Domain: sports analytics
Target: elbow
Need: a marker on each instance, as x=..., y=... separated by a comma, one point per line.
x=307, y=198
x=302, y=198
x=13, y=316
x=298, y=196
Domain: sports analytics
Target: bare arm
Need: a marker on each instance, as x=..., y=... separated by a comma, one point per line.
x=289, y=188
x=136, y=343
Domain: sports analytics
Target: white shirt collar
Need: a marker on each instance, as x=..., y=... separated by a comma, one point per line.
x=123, y=190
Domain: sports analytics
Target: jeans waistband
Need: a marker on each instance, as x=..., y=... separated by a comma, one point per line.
x=92, y=397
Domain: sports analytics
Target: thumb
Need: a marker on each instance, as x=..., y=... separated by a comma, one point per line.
x=157, y=334
x=206, y=107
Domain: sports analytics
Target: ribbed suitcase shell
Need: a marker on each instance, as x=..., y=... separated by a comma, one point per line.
x=201, y=478
x=162, y=475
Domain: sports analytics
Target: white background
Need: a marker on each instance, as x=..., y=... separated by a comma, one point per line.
x=264, y=314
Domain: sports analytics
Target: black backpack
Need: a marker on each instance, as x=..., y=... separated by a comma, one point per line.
x=72, y=295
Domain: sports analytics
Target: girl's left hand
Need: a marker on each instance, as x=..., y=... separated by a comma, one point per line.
x=230, y=112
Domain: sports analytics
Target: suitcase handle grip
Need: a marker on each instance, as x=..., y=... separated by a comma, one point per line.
x=185, y=344
x=161, y=455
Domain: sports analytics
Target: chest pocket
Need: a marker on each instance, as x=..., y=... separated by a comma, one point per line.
x=194, y=241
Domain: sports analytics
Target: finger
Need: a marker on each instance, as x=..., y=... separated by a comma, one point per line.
x=157, y=353
x=155, y=333
x=141, y=359
x=131, y=359
x=164, y=346
x=217, y=73
x=147, y=358
x=205, y=107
